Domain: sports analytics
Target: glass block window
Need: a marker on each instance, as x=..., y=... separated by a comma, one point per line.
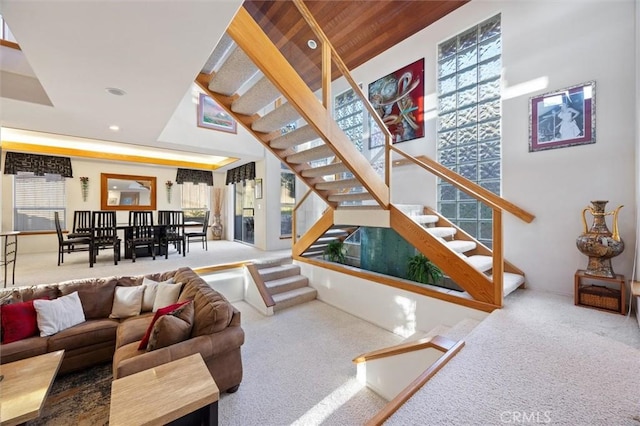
x=348, y=112
x=469, y=122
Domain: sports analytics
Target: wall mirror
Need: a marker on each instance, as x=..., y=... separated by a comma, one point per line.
x=127, y=192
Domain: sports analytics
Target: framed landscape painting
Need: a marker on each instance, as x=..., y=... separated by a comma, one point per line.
x=399, y=101
x=566, y=117
x=212, y=116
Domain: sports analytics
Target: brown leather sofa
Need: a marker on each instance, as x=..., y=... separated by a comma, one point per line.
x=216, y=332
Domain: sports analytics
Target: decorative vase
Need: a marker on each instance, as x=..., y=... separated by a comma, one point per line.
x=598, y=243
x=216, y=228
x=84, y=186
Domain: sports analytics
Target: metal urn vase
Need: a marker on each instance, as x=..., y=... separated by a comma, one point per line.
x=598, y=243
x=216, y=228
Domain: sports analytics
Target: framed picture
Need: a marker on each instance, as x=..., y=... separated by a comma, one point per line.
x=399, y=100
x=566, y=117
x=258, y=189
x=213, y=116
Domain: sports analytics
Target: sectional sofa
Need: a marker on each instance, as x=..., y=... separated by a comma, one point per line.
x=202, y=321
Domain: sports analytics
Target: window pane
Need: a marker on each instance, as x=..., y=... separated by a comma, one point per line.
x=196, y=200
x=287, y=201
x=36, y=199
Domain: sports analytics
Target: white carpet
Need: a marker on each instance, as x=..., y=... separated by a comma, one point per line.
x=536, y=361
x=298, y=368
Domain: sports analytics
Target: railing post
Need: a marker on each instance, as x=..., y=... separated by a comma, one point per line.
x=498, y=258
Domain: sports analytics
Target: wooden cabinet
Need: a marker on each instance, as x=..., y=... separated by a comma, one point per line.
x=608, y=295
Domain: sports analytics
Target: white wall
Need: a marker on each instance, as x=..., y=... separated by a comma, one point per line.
x=567, y=42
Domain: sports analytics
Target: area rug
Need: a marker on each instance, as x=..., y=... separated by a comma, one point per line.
x=80, y=398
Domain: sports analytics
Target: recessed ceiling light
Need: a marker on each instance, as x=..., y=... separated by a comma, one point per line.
x=114, y=127
x=115, y=91
x=312, y=44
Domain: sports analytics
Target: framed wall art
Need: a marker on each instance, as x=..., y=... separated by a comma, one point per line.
x=213, y=116
x=399, y=100
x=566, y=117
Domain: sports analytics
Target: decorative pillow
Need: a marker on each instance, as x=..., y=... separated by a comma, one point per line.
x=175, y=327
x=58, y=314
x=167, y=295
x=127, y=302
x=150, y=289
x=19, y=321
x=159, y=313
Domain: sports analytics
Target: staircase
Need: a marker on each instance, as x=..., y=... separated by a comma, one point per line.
x=462, y=244
x=335, y=233
x=285, y=284
x=250, y=78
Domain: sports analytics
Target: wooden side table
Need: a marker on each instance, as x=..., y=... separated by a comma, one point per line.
x=165, y=393
x=609, y=297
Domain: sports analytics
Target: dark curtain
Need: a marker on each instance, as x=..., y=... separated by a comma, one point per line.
x=194, y=176
x=241, y=173
x=16, y=162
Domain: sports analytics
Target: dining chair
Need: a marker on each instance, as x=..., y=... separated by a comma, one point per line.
x=81, y=224
x=104, y=234
x=71, y=244
x=200, y=234
x=140, y=236
x=173, y=221
x=140, y=217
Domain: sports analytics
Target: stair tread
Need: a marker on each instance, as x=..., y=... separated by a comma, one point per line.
x=350, y=196
x=425, y=218
x=338, y=184
x=256, y=97
x=510, y=282
x=235, y=71
x=442, y=231
x=293, y=293
x=276, y=119
x=282, y=285
x=294, y=297
x=279, y=269
x=480, y=262
x=461, y=246
x=312, y=154
x=296, y=137
x=330, y=169
x=220, y=50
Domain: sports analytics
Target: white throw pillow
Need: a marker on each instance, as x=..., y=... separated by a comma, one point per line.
x=150, y=291
x=58, y=314
x=127, y=302
x=167, y=295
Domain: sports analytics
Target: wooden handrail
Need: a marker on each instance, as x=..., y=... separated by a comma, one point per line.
x=492, y=200
x=414, y=386
x=316, y=231
x=262, y=288
x=437, y=342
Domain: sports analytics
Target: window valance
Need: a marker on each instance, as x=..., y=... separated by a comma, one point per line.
x=194, y=176
x=241, y=173
x=16, y=162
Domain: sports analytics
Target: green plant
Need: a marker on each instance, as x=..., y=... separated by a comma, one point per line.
x=422, y=270
x=335, y=252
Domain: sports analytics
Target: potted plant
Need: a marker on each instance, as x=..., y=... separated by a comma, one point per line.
x=335, y=252
x=422, y=270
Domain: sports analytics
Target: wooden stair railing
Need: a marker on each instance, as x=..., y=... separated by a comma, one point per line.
x=447, y=346
x=258, y=47
x=491, y=292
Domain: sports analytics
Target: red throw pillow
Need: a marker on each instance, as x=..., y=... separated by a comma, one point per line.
x=160, y=312
x=19, y=321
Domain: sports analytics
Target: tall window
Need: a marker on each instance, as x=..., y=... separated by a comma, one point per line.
x=36, y=199
x=469, y=119
x=287, y=200
x=196, y=200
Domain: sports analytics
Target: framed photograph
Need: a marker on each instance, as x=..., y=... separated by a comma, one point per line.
x=258, y=189
x=566, y=117
x=213, y=116
x=399, y=100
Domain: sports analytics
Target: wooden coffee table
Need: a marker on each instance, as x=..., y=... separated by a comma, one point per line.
x=25, y=386
x=165, y=393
